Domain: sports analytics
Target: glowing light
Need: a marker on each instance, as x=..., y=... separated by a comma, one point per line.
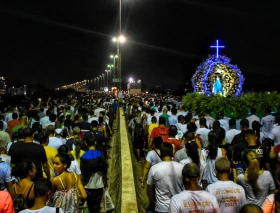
x=130, y=80
x=122, y=39
x=217, y=48
x=115, y=39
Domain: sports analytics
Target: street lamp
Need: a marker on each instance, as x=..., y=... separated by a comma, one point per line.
x=107, y=71
x=119, y=40
x=114, y=57
x=110, y=66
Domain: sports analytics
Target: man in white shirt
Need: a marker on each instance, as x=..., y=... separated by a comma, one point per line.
x=223, y=121
x=53, y=141
x=45, y=120
x=202, y=132
x=230, y=196
x=166, y=176
x=253, y=117
x=267, y=123
x=193, y=199
x=209, y=119
x=232, y=131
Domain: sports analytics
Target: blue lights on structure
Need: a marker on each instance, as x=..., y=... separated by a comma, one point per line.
x=201, y=77
x=217, y=48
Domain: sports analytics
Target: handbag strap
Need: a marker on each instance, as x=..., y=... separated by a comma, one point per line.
x=27, y=196
x=157, y=153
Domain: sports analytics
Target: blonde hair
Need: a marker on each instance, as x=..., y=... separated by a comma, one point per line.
x=251, y=161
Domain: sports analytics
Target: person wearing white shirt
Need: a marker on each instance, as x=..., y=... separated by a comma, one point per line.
x=53, y=141
x=202, y=132
x=253, y=117
x=267, y=123
x=193, y=199
x=166, y=177
x=232, y=131
x=230, y=196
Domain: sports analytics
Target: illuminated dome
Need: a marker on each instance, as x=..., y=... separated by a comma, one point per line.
x=216, y=76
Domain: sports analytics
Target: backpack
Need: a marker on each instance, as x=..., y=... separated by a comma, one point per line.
x=138, y=129
x=163, y=132
x=19, y=200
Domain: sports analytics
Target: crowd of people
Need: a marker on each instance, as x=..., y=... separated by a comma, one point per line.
x=198, y=163
x=54, y=155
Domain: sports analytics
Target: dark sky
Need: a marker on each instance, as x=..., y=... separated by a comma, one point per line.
x=61, y=42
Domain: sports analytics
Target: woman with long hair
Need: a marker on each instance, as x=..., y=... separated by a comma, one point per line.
x=24, y=171
x=152, y=158
x=191, y=150
x=77, y=152
x=209, y=156
x=67, y=186
x=74, y=166
x=256, y=182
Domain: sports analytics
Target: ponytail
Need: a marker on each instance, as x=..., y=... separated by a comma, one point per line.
x=192, y=151
x=251, y=160
x=77, y=143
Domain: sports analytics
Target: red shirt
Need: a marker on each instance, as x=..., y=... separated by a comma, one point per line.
x=12, y=124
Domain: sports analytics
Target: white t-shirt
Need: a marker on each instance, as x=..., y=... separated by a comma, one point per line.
x=265, y=183
x=194, y=201
x=55, y=142
x=251, y=119
x=267, y=122
x=198, y=125
x=210, y=121
x=167, y=179
x=74, y=167
x=44, y=121
x=275, y=135
x=230, y=134
x=203, y=134
x=45, y=209
x=230, y=196
x=153, y=157
x=224, y=124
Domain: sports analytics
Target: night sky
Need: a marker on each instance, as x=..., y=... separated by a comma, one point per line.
x=61, y=42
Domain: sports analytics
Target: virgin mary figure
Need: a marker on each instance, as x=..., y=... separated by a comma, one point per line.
x=218, y=87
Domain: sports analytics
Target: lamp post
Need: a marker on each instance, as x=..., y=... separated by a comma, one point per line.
x=107, y=71
x=114, y=57
x=119, y=40
x=110, y=66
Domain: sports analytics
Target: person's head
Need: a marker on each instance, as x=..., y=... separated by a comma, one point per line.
x=20, y=134
x=154, y=119
x=15, y=116
x=24, y=169
x=157, y=141
x=244, y=124
x=251, y=161
x=174, y=111
x=191, y=127
x=91, y=140
x=251, y=137
x=162, y=121
x=76, y=130
x=63, y=149
x=222, y=166
x=61, y=162
x=253, y=111
x=213, y=145
x=202, y=121
x=166, y=150
x=43, y=137
x=51, y=129
x=172, y=131
x=42, y=188
x=85, y=117
x=190, y=174
x=52, y=117
x=250, y=208
x=216, y=125
x=192, y=150
x=94, y=124
x=232, y=123
x=28, y=132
